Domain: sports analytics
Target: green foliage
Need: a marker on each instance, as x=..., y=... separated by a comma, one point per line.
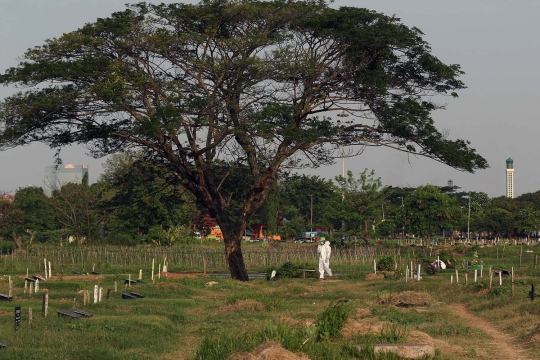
x=331, y=321
x=386, y=263
x=397, y=316
x=362, y=202
x=6, y=247
x=290, y=270
x=497, y=291
x=390, y=334
x=427, y=211
x=38, y=215
x=97, y=86
x=430, y=269
x=448, y=329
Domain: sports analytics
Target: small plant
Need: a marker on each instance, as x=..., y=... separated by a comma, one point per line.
x=498, y=291
x=386, y=263
x=291, y=271
x=430, y=269
x=332, y=320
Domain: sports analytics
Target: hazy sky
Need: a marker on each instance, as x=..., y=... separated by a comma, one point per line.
x=495, y=42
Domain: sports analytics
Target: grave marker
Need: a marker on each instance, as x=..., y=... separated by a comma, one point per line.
x=45, y=304
x=17, y=317
x=95, y=294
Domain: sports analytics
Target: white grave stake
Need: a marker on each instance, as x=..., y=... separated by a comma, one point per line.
x=37, y=286
x=153, y=270
x=140, y=274
x=457, y=277
x=475, y=274
x=115, y=287
x=45, y=305
x=159, y=271
x=95, y=293
x=418, y=278
x=100, y=294
x=50, y=272
x=129, y=280
x=374, y=266
x=451, y=279
x=31, y=290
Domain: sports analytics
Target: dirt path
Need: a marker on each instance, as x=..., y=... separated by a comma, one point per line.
x=501, y=346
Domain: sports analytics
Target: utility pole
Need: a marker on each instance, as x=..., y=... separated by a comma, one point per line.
x=403, y=224
x=342, y=115
x=311, y=218
x=469, y=220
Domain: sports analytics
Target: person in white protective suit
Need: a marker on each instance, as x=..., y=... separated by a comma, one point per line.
x=324, y=252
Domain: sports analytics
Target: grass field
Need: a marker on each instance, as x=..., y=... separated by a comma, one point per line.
x=181, y=318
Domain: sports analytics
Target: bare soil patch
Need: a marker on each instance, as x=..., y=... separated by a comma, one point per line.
x=373, y=276
x=167, y=286
x=500, y=346
x=406, y=299
x=171, y=275
x=270, y=351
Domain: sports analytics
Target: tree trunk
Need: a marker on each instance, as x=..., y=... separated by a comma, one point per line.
x=18, y=241
x=235, y=260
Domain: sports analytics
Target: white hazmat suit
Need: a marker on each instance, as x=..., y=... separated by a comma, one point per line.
x=324, y=252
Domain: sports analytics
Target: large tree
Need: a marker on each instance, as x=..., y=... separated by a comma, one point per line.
x=238, y=85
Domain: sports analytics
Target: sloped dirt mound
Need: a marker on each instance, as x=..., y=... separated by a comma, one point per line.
x=244, y=305
x=270, y=351
x=406, y=299
x=419, y=337
x=373, y=276
x=167, y=286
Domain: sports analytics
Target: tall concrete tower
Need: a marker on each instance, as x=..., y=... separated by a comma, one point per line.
x=510, y=178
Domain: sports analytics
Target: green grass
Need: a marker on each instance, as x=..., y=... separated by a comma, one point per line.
x=184, y=319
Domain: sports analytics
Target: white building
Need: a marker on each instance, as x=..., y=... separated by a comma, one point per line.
x=55, y=178
x=510, y=178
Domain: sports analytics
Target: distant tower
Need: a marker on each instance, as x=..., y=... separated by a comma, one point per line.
x=56, y=177
x=450, y=183
x=510, y=178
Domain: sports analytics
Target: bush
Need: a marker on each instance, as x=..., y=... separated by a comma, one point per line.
x=332, y=320
x=386, y=263
x=430, y=269
x=291, y=271
x=6, y=247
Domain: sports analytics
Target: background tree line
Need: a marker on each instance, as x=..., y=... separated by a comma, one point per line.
x=135, y=201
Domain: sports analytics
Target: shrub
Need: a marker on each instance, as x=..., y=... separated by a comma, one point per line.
x=290, y=271
x=386, y=263
x=430, y=269
x=6, y=247
x=332, y=320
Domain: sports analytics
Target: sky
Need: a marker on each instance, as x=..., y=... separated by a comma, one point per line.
x=495, y=42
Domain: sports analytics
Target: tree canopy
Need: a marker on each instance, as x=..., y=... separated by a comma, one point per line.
x=226, y=87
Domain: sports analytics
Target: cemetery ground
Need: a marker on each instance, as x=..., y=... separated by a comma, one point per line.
x=190, y=314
